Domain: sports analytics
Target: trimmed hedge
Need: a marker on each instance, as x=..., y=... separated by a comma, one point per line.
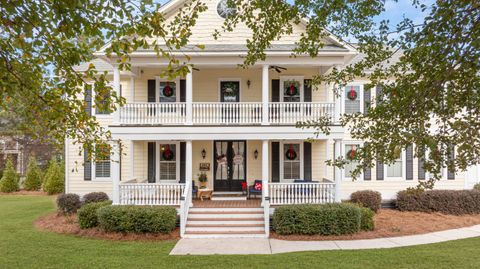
x=87, y=214
x=367, y=198
x=137, y=219
x=68, y=203
x=454, y=202
x=54, y=178
x=326, y=219
x=367, y=223
x=95, y=197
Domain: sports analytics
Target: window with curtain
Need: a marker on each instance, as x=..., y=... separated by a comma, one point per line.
x=291, y=161
x=168, y=162
x=352, y=99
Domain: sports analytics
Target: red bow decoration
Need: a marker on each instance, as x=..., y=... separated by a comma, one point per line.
x=167, y=90
x=257, y=186
x=244, y=185
x=352, y=94
x=351, y=154
x=167, y=153
x=292, y=90
x=291, y=154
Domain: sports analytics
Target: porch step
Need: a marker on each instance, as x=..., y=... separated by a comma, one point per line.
x=228, y=196
x=226, y=209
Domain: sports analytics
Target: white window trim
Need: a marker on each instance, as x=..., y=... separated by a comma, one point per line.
x=157, y=88
x=360, y=84
x=157, y=161
x=220, y=80
x=344, y=153
x=94, y=106
x=282, y=158
x=286, y=78
x=94, y=172
x=404, y=169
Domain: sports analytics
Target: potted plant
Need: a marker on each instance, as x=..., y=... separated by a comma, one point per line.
x=202, y=179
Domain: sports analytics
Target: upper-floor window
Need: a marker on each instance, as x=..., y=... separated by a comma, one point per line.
x=292, y=161
x=291, y=89
x=352, y=99
x=103, y=106
x=167, y=92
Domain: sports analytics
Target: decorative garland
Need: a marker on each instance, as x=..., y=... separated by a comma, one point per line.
x=168, y=153
x=352, y=94
x=291, y=154
x=167, y=90
x=292, y=89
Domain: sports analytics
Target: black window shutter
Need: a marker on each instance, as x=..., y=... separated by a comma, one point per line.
x=275, y=90
x=183, y=146
x=87, y=167
x=275, y=161
x=378, y=92
x=379, y=168
x=151, y=162
x=367, y=96
x=307, y=87
x=183, y=90
x=307, y=161
x=151, y=90
x=367, y=171
x=451, y=157
x=88, y=99
x=409, y=162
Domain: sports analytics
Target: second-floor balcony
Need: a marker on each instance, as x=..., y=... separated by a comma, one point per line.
x=224, y=113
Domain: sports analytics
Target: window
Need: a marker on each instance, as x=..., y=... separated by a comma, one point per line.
x=291, y=161
x=168, y=162
x=102, y=165
x=292, y=90
x=352, y=99
x=395, y=170
x=167, y=92
x=350, y=151
x=103, y=107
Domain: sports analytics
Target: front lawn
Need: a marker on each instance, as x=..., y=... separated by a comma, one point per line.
x=21, y=246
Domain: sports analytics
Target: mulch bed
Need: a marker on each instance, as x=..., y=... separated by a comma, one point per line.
x=69, y=225
x=391, y=223
x=24, y=192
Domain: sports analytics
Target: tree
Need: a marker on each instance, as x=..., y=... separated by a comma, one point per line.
x=54, y=181
x=34, y=177
x=10, y=179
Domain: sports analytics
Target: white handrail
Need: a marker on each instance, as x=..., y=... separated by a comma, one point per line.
x=185, y=207
x=151, y=193
x=293, y=112
x=153, y=113
x=227, y=113
x=301, y=193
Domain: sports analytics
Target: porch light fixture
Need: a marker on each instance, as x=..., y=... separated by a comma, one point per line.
x=249, y=83
x=255, y=154
x=204, y=153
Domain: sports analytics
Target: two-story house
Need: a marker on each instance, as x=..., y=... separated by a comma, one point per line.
x=236, y=126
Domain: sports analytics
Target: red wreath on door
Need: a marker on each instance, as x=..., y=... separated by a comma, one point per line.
x=292, y=90
x=291, y=153
x=352, y=153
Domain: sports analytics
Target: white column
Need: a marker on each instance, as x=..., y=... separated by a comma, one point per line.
x=265, y=167
x=189, y=96
x=338, y=104
x=188, y=166
x=338, y=172
x=265, y=94
x=132, y=159
x=115, y=172
x=132, y=90
x=116, y=88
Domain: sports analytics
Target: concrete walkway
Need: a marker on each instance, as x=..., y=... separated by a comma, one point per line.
x=225, y=246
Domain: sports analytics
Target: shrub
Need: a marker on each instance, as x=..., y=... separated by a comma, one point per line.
x=10, y=178
x=367, y=223
x=33, y=181
x=87, y=214
x=326, y=219
x=68, y=203
x=95, y=197
x=454, y=202
x=137, y=219
x=477, y=187
x=368, y=199
x=54, y=178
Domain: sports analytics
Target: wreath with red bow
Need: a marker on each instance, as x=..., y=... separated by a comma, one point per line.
x=351, y=153
x=167, y=90
x=291, y=154
x=352, y=94
x=168, y=154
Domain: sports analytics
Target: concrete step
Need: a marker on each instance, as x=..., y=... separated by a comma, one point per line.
x=219, y=209
x=228, y=198
x=215, y=224
x=225, y=212
x=225, y=229
x=224, y=216
x=224, y=219
x=225, y=222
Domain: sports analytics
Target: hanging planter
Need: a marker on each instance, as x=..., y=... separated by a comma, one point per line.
x=292, y=88
x=168, y=154
x=352, y=153
x=167, y=90
x=291, y=154
x=352, y=94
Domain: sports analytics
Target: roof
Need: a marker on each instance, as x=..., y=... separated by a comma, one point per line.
x=100, y=66
x=386, y=64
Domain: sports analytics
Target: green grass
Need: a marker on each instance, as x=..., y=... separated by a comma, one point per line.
x=21, y=246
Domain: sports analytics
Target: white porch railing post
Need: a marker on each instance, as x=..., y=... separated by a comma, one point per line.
x=338, y=106
x=116, y=88
x=338, y=171
x=115, y=173
x=188, y=172
x=189, y=96
x=265, y=91
x=265, y=168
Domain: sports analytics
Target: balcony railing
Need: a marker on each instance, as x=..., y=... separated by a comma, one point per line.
x=301, y=193
x=243, y=113
x=151, y=194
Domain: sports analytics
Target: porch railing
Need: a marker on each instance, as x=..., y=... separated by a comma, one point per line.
x=151, y=193
x=227, y=113
x=186, y=199
x=291, y=113
x=153, y=113
x=301, y=193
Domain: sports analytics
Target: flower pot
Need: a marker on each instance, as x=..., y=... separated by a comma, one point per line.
x=203, y=185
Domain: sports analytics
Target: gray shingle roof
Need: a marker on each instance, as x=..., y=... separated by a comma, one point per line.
x=100, y=66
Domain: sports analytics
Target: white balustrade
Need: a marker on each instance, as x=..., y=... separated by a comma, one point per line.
x=291, y=112
x=227, y=113
x=151, y=193
x=153, y=113
x=301, y=193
